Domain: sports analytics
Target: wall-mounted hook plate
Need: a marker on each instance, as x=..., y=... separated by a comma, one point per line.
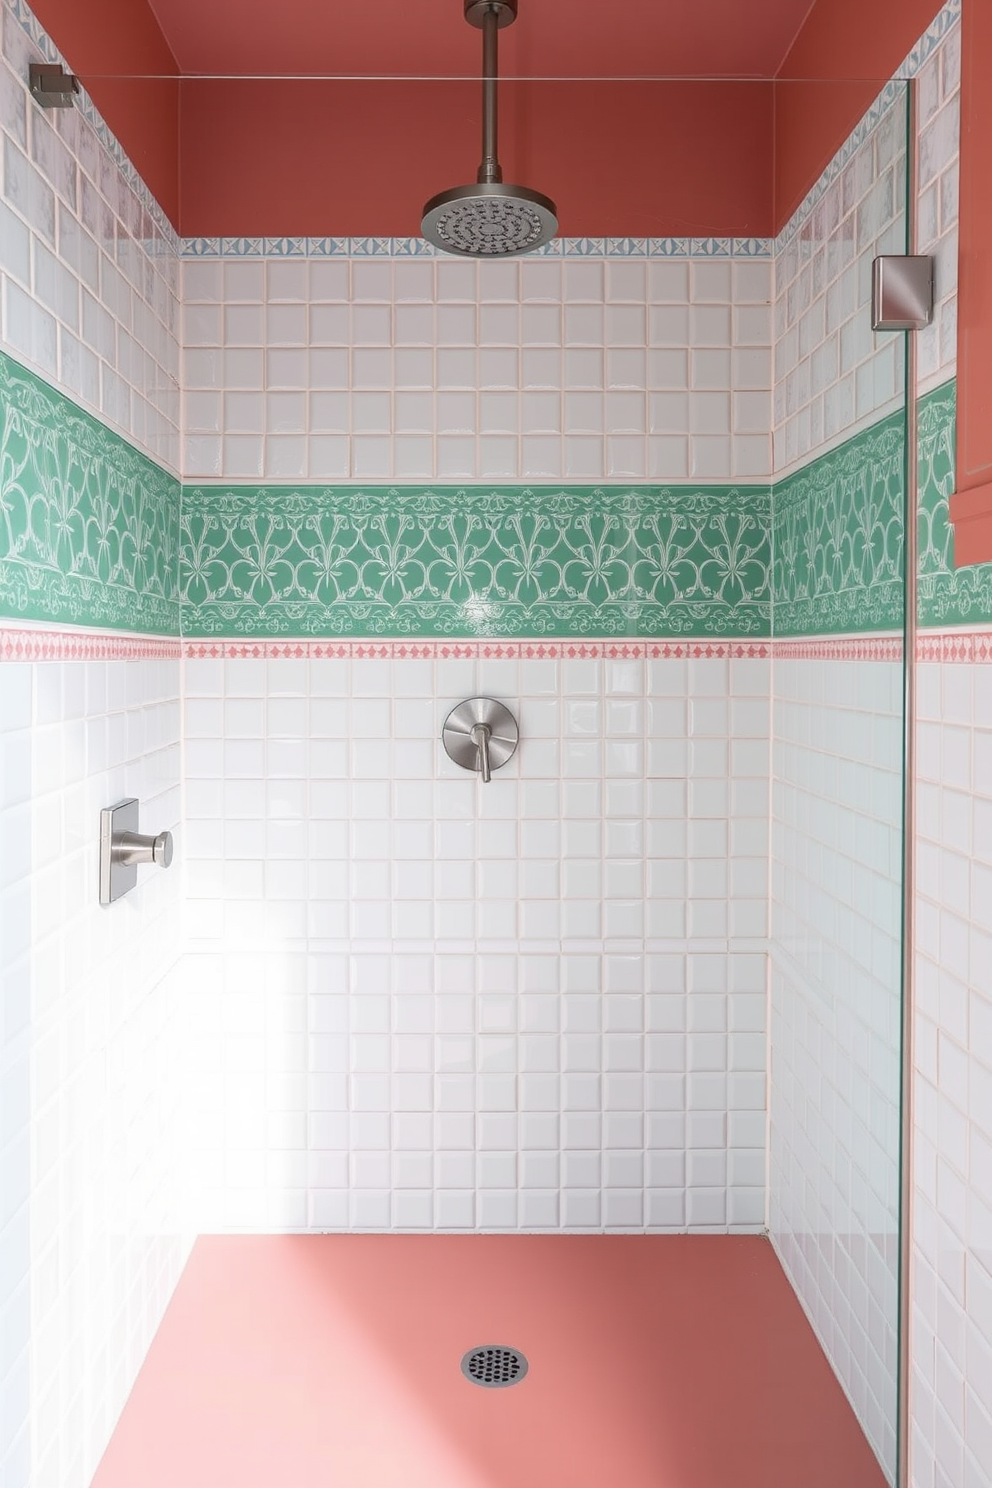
x=50, y=85
x=123, y=847
x=901, y=292
x=465, y=738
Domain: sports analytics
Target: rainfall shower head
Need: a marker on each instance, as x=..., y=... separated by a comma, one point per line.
x=489, y=220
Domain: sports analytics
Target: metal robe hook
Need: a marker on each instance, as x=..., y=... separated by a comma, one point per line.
x=480, y=735
x=123, y=847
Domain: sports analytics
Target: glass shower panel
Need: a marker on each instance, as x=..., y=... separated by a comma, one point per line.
x=685, y=431
x=670, y=428
x=838, y=732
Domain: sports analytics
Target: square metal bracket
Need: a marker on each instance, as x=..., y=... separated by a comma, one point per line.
x=901, y=292
x=116, y=878
x=51, y=85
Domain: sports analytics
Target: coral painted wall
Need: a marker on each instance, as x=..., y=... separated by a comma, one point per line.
x=331, y=158
x=278, y=158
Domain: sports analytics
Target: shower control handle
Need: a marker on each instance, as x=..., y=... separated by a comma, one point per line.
x=481, y=734
x=138, y=847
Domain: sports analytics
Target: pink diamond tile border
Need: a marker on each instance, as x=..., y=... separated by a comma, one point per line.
x=37, y=643
x=971, y=646
x=840, y=648
x=28, y=643
x=480, y=650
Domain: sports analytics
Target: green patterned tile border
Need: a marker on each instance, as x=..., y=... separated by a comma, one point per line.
x=837, y=537
x=648, y=561
x=948, y=596
x=90, y=535
x=837, y=534
x=89, y=527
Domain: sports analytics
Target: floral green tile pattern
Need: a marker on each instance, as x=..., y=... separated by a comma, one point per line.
x=90, y=535
x=948, y=596
x=89, y=528
x=650, y=561
x=837, y=534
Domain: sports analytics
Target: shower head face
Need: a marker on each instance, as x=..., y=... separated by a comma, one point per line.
x=489, y=221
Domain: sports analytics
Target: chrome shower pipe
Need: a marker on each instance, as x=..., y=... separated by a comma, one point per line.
x=489, y=219
x=908, y=1059
x=489, y=171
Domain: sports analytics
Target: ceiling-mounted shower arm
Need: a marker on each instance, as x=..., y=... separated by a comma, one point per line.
x=489, y=171
x=490, y=15
x=489, y=219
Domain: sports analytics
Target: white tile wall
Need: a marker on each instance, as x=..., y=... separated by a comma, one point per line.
x=951, y=1384
x=89, y=279
x=952, y=1312
x=833, y=375
x=90, y=1246
x=537, y=1004
x=836, y=928
x=88, y=1240
x=380, y=370
x=939, y=96
x=836, y=814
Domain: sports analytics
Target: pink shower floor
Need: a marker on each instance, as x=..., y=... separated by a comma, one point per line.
x=333, y=1361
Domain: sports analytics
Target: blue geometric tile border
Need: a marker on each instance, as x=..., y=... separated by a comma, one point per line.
x=419, y=248
x=931, y=39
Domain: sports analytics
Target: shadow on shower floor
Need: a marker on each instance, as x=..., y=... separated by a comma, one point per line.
x=333, y=1361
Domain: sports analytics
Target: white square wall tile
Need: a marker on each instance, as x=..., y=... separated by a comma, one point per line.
x=711, y=282
x=668, y=458
x=406, y=837
x=584, y=457
x=615, y=327
x=668, y=283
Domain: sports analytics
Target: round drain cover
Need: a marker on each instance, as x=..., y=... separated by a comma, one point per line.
x=494, y=1366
